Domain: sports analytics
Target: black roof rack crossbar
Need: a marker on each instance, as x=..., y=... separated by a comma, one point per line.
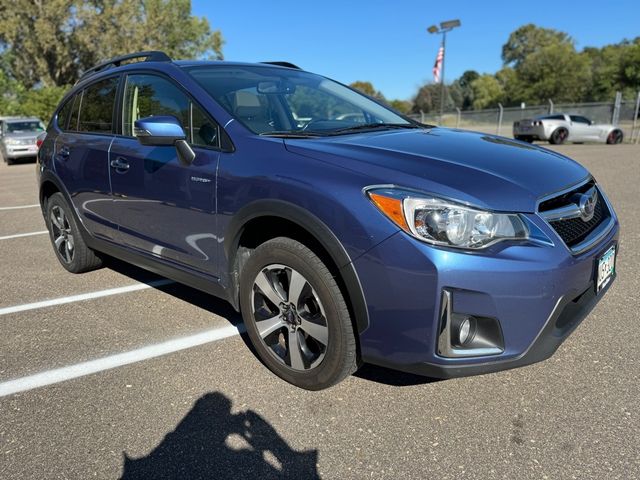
x=283, y=64
x=149, y=56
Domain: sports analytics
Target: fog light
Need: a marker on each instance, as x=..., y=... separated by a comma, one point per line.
x=466, y=330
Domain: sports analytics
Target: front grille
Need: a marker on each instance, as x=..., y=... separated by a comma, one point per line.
x=572, y=231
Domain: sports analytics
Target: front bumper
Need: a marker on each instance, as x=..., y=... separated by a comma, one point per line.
x=20, y=151
x=538, y=292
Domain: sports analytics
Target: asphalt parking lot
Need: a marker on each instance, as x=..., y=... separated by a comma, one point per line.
x=123, y=374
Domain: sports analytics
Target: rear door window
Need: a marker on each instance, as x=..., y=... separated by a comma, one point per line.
x=96, y=110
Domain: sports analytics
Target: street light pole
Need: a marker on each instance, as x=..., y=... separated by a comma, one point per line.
x=442, y=87
x=443, y=29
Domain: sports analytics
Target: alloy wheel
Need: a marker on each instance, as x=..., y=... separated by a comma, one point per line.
x=62, y=236
x=289, y=317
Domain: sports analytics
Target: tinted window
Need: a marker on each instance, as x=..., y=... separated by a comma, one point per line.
x=205, y=131
x=25, y=126
x=75, y=110
x=149, y=95
x=96, y=111
x=551, y=117
x=579, y=119
x=65, y=113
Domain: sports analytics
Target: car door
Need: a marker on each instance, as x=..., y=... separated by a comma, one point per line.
x=580, y=128
x=164, y=208
x=81, y=157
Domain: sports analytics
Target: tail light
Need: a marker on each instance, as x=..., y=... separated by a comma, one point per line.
x=537, y=123
x=40, y=139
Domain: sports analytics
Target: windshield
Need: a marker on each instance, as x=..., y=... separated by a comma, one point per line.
x=26, y=126
x=282, y=101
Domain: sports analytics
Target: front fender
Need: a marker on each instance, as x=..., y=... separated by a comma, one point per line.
x=312, y=225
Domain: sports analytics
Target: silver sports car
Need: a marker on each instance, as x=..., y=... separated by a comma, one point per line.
x=558, y=128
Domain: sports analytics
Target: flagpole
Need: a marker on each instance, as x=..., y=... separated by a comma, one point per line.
x=443, y=29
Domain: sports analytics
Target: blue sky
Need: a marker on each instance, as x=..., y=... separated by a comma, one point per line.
x=386, y=43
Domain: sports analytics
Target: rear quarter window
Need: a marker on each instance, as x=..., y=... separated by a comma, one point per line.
x=65, y=114
x=552, y=117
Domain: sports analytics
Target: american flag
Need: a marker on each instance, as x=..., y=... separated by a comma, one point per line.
x=437, y=67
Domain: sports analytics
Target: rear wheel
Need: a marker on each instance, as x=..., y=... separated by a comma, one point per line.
x=71, y=250
x=614, y=137
x=296, y=316
x=559, y=136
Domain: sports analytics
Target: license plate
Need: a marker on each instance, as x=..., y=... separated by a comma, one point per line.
x=606, y=268
x=525, y=129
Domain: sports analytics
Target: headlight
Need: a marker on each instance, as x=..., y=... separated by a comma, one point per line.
x=444, y=222
x=12, y=141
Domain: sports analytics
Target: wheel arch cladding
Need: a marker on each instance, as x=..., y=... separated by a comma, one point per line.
x=263, y=220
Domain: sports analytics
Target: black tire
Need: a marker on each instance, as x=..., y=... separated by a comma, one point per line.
x=615, y=137
x=319, y=299
x=559, y=136
x=72, y=251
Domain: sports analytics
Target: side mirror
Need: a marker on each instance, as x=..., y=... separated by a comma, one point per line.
x=163, y=131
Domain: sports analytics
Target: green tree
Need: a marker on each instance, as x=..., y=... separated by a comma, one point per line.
x=546, y=65
x=403, y=106
x=50, y=43
x=427, y=99
x=555, y=71
x=487, y=91
x=530, y=39
x=368, y=89
x=464, y=83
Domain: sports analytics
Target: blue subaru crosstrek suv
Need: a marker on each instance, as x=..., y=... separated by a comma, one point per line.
x=342, y=230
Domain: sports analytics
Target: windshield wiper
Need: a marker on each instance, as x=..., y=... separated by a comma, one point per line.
x=291, y=134
x=372, y=126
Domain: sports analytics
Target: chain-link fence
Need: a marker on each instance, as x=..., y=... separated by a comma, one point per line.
x=621, y=112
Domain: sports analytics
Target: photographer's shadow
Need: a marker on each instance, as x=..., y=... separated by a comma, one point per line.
x=211, y=442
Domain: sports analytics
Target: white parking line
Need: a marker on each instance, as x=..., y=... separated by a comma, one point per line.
x=58, y=375
x=20, y=235
x=83, y=296
x=20, y=207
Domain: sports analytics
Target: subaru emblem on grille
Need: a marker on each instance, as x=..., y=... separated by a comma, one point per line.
x=587, y=204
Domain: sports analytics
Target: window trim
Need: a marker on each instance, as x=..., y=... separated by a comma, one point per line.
x=190, y=98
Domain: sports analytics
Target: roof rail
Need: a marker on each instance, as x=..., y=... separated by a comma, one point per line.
x=283, y=64
x=149, y=56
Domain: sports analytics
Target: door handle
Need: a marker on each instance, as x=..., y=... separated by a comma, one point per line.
x=63, y=153
x=120, y=164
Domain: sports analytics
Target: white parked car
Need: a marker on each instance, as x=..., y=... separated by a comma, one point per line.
x=558, y=128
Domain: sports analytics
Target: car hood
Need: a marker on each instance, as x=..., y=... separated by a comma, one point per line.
x=23, y=135
x=484, y=170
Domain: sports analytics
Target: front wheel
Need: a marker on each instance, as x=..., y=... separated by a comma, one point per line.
x=296, y=316
x=614, y=137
